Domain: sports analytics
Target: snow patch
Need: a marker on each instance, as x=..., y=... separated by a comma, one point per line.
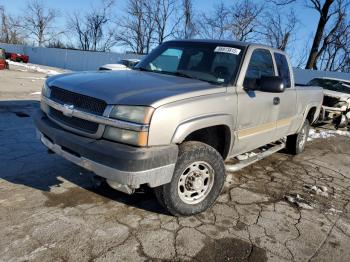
x=313, y=134
x=318, y=190
x=297, y=200
x=32, y=67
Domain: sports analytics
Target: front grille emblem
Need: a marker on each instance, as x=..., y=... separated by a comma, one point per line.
x=67, y=110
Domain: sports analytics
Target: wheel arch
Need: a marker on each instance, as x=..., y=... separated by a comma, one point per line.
x=213, y=130
x=311, y=113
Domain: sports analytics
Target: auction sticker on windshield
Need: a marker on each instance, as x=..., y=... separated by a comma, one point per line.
x=226, y=49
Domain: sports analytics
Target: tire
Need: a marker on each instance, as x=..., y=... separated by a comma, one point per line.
x=296, y=143
x=197, y=181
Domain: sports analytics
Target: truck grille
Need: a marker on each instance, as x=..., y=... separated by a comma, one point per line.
x=82, y=102
x=77, y=123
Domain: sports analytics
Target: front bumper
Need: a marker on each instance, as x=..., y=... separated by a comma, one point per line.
x=123, y=164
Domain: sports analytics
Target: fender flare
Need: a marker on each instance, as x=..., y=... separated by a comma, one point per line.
x=307, y=110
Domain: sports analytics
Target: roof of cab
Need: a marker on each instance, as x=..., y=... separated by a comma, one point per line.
x=227, y=42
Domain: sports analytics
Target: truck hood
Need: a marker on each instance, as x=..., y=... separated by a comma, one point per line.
x=131, y=87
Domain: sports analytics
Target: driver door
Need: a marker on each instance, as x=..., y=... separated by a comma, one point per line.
x=257, y=114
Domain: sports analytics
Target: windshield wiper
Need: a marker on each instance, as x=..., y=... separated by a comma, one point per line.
x=184, y=74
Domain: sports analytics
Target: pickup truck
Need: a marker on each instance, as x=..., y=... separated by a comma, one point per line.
x=172, y=121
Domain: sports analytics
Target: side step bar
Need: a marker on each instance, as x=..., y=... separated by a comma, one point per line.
x=251, y=160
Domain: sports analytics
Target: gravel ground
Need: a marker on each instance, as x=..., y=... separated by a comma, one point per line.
x=282, y=208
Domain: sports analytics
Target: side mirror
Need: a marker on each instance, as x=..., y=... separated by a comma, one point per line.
x=272, y=84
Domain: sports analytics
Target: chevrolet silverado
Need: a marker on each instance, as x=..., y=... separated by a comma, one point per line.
x=172, y=121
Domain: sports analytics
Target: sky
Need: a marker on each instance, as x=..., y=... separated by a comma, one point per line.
x=307, y=17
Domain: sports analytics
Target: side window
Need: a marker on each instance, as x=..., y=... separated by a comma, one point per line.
x=283, y=68
x=260, y=64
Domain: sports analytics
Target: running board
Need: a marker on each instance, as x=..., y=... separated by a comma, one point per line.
x=251, y=160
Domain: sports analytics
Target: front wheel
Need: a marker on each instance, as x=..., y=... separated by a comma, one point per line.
x=296, y=143
x=197, y=181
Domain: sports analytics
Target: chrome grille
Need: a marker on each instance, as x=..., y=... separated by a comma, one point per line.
x=74, y=122
x=79, y=101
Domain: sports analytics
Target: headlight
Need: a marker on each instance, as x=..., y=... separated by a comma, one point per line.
x=126, y=136
x=46, y=91
x=136, y=114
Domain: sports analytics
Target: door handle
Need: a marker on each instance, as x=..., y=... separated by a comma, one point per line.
x=276, y=100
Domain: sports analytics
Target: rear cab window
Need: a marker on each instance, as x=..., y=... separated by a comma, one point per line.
x=283, y=68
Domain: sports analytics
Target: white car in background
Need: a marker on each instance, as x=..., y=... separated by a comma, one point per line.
x=336, y=101
x=124, y=64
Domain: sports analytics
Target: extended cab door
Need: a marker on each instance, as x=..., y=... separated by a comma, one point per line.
x=287, y=108
x=257, y=114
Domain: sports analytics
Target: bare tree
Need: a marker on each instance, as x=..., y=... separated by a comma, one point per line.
x=92, y=29
x=166, y=18
x=10, y=30
x=189, y=26
x=244, y=20
x=38, y=21
x=277, y=29
x=333, y=34
x=80, y=30
x=239, y=21
x=131, y=28
x=137, y=28
x=330, y=14
x=215, y=25
x=334, y=55
x=325, y=14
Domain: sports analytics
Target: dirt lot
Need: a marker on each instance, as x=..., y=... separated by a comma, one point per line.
x=50, y=209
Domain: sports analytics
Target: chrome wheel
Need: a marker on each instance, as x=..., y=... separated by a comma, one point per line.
x=195, y=182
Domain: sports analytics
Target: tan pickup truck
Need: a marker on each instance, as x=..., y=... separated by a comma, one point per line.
x=173, y=120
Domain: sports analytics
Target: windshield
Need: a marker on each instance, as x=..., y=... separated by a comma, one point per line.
x=210, y=62
x=331, y=84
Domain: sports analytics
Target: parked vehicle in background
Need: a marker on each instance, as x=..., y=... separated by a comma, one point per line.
x=3, y=63
x=124, y=64
x=17, y=57
x=336, y=101
x=172, y=121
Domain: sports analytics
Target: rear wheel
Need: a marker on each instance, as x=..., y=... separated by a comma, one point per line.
x=296, y=143
x=197, y=181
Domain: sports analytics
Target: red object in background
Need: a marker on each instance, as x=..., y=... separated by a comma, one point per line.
x=17, y=57
x=3, y=63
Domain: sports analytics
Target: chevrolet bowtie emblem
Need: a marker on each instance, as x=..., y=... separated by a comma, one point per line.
x=67, y=110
